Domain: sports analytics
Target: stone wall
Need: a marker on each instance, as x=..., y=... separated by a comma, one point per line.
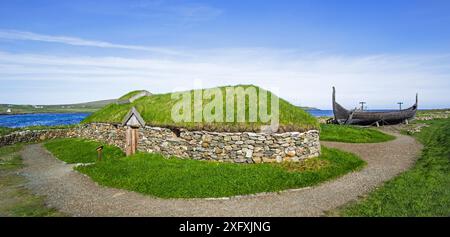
x=102, y=132
x=32, y=136
x=107, y=133
x=243, y=147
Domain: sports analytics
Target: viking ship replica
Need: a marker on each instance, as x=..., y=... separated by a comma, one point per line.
x=361, y=117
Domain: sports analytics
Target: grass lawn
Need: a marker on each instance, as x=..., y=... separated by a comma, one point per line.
x=72, y=150
x=43, y=127
x=352, y=134
x=5, y=130
x=156, y=111
x=433, y=113
x=15, y=199
x=67, y=108
x=422, y=191
x=155, y=175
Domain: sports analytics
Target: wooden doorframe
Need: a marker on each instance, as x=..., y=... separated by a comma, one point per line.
x=131, y=140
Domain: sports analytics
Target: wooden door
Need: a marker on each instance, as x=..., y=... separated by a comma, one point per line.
x=131, y=141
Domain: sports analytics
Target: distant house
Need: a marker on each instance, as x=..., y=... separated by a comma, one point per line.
x=8, y=111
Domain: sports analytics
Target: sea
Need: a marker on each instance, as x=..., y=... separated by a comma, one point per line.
x=44, y=119
x=320, y=112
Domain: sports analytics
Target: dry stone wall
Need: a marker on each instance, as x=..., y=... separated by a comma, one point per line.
x=32, y=136
x=243, y=147
x=107, y=133
x=102, y=132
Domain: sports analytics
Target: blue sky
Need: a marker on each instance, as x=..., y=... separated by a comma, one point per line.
x=378, y=51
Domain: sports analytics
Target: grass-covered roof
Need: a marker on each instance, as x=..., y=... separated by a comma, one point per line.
x=156, y=111
x=130, y=94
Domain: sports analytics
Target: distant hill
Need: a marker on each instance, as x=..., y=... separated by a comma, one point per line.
x=156, y=111
x=63, y=108
x=307, y=108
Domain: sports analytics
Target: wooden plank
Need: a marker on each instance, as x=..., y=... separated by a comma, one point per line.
x=128, y=148
x=133, y=140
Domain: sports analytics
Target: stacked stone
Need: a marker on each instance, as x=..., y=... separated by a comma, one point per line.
x=162, y=140
x=243, y=147
x=231, y=147
x=102, y=132
x=32, y=136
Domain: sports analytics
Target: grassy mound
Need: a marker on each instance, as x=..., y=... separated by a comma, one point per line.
x=130, y=94
x=155, y=175
x=423, y=190
x=156, y=111
x=352, y=134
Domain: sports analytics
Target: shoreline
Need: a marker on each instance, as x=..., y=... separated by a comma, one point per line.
x=26, y=113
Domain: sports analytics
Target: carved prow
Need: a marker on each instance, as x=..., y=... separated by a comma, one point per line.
x=333, y=103
x=417, y=99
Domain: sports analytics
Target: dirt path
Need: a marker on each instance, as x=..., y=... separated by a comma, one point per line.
x=76, y=194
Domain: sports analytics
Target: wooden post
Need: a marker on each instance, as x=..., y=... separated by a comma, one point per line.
x=99, y=152
x=362, y=105
x=128, y=142
x=132, y=140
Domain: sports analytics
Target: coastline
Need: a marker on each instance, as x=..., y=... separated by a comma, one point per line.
x=48, y=112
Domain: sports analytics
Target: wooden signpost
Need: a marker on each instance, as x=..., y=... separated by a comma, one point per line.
x=99, y=152
x=133, y=121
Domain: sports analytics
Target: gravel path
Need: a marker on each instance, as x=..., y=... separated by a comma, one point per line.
x=76, y=194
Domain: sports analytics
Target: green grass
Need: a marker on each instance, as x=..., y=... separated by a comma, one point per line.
x=5, y=130
x=352, y=134
x=68, y=108
x=432, y=113
x=15, y=199
x=9, y=150
x=72, y=150
x=156, y=111
x=41, y=127
x=130, y=94
x=422, y=191
x=155, y=175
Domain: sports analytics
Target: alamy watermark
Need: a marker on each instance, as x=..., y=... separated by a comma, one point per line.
x=241, y=104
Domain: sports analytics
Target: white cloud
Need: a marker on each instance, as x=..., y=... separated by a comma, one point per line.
x=381, y=80
x=23, y=35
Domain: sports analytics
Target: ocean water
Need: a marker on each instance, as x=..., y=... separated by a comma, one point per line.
x=50, y=119
x=320, y=113
x=329, y=113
